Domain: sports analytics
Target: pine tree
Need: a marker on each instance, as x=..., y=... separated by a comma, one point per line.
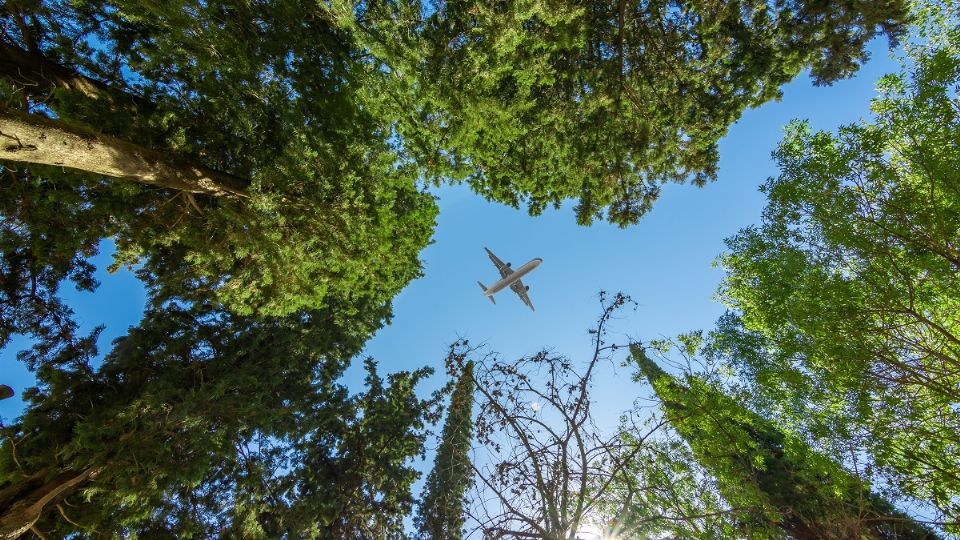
x=441, y=512
x=200, y=420
x=759, y=466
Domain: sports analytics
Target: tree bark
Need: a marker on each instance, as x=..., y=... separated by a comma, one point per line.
x=37, y=76
x=29, y=138
x=24, y=502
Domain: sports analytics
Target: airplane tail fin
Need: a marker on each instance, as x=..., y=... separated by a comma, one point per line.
x=484, y=288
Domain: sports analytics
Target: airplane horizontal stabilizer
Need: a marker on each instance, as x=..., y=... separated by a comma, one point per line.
x=484, y=289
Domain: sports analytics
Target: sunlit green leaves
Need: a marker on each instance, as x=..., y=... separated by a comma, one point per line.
x=772, y=482
x=537, y=102
x=274, y=93
x=846, y=296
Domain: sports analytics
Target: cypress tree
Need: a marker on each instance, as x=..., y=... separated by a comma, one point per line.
x=200, y=421
x=441, y=510
x=757, y=465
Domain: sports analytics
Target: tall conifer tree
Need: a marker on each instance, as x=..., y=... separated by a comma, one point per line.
x=441, y=514
x=200, y=421
x=758, y=465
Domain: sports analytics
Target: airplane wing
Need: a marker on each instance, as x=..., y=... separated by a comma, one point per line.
x=521, y=290
x=504, y=269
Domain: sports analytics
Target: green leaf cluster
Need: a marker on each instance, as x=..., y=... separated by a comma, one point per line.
x=536, y=102
x=200, y=421
x=664, y=492
x=47, y=236
x=257, y=90
x=846, y=297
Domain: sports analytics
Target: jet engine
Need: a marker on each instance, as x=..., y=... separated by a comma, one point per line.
x=528, y=287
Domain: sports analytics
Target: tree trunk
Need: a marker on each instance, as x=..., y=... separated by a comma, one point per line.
x=33, y=139
x=37, y=76
x=22, y=503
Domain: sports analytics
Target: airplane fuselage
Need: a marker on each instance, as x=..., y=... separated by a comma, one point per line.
x=516, y=275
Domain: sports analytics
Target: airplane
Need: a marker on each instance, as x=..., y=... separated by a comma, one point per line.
x=510, y=278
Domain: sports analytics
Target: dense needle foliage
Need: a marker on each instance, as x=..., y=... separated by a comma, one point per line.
x=537, y=102
x=200, y=420
x=774, y=479
x=442, y=506
x=283, y=102
x=221, y=410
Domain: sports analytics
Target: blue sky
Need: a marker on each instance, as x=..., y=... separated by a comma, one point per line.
x=664, y=262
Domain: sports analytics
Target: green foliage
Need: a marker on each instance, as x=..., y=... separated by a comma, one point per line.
x=47, y=235
x=846, y=297
x=776, y=475
x=663, y=492
x=332, y=112
x=220, y=411
x=442, y=505
x=536, y=102
x=344, y=473
x=200, y=420
x=259, y=91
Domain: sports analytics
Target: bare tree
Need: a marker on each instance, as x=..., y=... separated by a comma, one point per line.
x=542, y=466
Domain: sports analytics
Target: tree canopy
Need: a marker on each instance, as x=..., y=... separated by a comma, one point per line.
x=276, y=146
x=263, y=168
x=772, y=477
x=200, y=420
x=299, y=194
x=537, y=103
x=845, y=297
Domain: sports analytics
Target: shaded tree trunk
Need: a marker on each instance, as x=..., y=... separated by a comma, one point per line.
x=29, y=138
x=21, y=504
x=37, y=76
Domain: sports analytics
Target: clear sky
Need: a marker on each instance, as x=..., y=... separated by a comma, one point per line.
x=664, y=262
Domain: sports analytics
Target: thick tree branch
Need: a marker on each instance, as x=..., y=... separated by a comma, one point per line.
x=19, y=517
x=29, y=138
x=37, y=76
